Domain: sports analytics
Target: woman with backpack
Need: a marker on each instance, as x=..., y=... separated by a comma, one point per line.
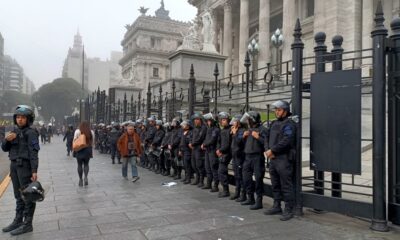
x=84, y=139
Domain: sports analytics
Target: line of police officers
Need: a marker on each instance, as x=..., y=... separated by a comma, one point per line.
x=205, y=145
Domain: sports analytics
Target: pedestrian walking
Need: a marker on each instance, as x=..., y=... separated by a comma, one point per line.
x=84, y=154
x=69, y=137
x=129, y=145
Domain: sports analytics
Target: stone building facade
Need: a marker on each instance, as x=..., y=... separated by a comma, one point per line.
x=238, y=22
x=147, y=44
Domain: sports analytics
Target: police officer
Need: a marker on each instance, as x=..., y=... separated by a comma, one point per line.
x=254, y=159
x=174, y=148
x=210, y=147
x=165, y=152
x=113, y=137
x=280, y=149
x=224, y=152
x=185, y=151
x=156, y=145
x=143, y=157
x=150, y=133
x=199, y=134
x=237, y=150
x=22, y=144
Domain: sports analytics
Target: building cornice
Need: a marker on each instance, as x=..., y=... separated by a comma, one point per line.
x=130, y=55
x=196, y=53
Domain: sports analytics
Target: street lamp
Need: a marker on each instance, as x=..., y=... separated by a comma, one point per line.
x=277, y=41
x=253, y=49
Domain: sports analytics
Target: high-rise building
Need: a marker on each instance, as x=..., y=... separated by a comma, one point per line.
x=97, y=73
x=13, y=75
x=28, y=87
x=1, y=63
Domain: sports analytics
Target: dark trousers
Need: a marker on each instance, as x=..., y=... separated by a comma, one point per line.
x=237, y=164
x=254, y=164
x=198, y=161
x=187, y=161
x=69, y=147
x=281, y=172
x=83, y=167
x=167, y=163
x=21, y=176
x=211, y=165
x=161, y=161
x=114, y=152
x=43, y=138
x=223, y=170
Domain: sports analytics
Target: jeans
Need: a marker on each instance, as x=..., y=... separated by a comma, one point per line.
x=125, y=162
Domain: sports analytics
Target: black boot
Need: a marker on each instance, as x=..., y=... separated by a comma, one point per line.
x=113, y=161
x=187, y=179
x=201, y=182
x=275, y=209
x=208, y=184
x=250, y=200
x=287, y=213
x=196, y=180
x=119, y=161
x=215, y=187
x=225, y=192
x=24, y=228
x=243, y=197
x=17, y=222
x=166, y=172
x=178, y=175
x=236, y=195
x=258, y=204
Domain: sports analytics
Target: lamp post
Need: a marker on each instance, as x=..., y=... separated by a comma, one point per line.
x=277, y=41
x=253, y=49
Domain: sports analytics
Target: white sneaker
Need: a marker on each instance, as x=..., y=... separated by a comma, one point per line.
x=134, y=179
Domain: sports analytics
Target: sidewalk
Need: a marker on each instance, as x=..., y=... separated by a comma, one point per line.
x=113, y=208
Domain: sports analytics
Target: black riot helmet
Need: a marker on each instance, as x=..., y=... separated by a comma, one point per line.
x=175, y=122
x=281, y=104
x=32, y=192
x=26, y=111
x=253, y=117
x=197, y=116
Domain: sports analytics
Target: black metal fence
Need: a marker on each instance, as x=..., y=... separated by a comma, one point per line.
x=359, y=193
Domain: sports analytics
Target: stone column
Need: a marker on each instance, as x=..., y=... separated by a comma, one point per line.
x=244, y=33
x=227, y=51
x=263, y=34
x=214, y=16
x=367, y=19
x=289, y=20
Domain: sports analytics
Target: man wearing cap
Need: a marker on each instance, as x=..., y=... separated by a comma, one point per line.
x=280, y=149
x=224, y=152
x=150, y=133
x=156, y=144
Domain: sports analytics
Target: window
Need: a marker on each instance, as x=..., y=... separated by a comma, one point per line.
x=153, y=42
x=155, y=72
x=309, y=8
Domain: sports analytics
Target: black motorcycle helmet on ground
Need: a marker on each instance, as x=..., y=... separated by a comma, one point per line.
x=26, y=111
x=32, y=192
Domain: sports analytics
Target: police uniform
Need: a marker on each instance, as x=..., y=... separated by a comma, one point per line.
x=186, y=155
x=158, y=137
x=224, y=146
x=165, y=161
x=254, y=164
x=150, y=133
x=177, y=163
x=280, y=140
x=238, y=156
x=23, y=153
x=113, y=137
x=199, y=134
x=211, y=160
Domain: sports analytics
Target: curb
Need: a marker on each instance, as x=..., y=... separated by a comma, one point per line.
x=4, y=184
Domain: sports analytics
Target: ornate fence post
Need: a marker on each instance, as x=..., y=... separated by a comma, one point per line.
x=247, y=65
x=98, y=105
x=216, y=74
x=337, y=52
x=148, y=101
x=192, y=91
x=297, y=71
x=160, y=104
x=379, y=222
x=173, y=99
x=393, y=128
x=133, y=118
x=125, y=105
x=320, y=51
x=206, y=101
x=139, y=102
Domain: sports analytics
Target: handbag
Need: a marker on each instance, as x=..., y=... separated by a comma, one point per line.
x=79, y=143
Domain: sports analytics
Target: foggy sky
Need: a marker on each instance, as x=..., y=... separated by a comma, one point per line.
x=38, y=33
